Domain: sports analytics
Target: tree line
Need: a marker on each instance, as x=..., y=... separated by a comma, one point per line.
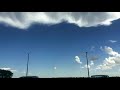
x=5, y=74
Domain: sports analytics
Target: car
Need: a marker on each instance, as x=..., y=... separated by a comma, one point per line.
x=99, y=76
x=29, y=77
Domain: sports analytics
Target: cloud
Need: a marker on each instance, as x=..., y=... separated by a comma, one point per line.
x=103, y=67
x=77, y=59
x=86, y=66
x=24, y=20
x=112, y=41
x=8, y=69
x=91, y=63
x=110, y=51
x=112, y=60
x=55, y=68
x=89, y=66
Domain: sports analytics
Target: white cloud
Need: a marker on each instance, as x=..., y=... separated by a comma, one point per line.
x=112, y=60
x=112, y=41
x=86, y=66
x=103, y=67
x=89, y=66
x=91, y=63
x=8, y=69
x=55, y=68
x=110, y=51
x=77, y=59
x=23, y=20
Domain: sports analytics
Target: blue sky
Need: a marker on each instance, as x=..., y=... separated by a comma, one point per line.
x=53, y=44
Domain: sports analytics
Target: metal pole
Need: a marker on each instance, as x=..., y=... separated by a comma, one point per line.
x=27, y=65
x=87, y=64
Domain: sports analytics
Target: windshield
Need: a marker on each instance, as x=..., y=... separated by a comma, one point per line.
x=59, y=44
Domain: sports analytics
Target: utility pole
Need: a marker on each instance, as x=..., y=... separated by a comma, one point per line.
x=27, y=66
x=87, y=65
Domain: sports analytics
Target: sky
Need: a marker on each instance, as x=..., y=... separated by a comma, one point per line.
x=58, y=41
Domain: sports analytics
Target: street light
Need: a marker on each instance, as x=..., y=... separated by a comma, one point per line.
x=27, y=66
x=87, y=65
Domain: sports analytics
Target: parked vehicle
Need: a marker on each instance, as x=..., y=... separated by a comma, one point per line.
x=29, y=77
x=99, y=76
